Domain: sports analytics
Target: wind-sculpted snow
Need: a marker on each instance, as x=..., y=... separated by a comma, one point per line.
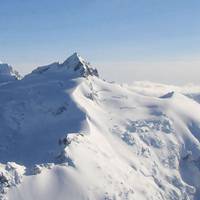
x=75, y=136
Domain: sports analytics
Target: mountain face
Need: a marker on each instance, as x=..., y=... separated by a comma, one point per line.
x=7, y=73
x=67, y=134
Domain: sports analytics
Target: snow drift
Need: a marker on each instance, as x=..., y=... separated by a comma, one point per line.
x=67, y=134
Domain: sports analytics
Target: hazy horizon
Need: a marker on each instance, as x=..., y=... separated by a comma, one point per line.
x=126, y=40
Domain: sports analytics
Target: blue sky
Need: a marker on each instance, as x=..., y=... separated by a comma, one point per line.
x=127, y=40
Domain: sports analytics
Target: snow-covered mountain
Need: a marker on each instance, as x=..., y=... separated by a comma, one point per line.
x=68, y=134
x=7, y=73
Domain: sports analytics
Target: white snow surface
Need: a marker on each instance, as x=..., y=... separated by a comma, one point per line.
x=66, y=134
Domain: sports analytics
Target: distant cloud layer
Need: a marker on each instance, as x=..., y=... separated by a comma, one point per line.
x=172, y=72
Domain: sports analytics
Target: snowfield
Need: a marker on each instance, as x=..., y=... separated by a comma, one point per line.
x=66, y=134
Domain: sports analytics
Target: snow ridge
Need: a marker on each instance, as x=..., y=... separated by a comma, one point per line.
x=74, y=64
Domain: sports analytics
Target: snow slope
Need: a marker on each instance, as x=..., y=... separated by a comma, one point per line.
x=67, y=134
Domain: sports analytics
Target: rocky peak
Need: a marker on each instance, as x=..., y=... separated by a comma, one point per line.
x=74, y=64
x=7, y=73
x=77, y=63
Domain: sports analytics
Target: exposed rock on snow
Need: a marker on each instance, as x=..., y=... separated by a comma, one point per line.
x=10, y=176
x=168, y=95
x=77, y=63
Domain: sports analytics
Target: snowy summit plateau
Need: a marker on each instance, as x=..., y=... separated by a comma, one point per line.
x=67, y=134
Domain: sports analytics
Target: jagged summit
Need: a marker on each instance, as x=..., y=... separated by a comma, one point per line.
x=73, y=60
x=7, y=73
x=74, y=63
x=77, y=63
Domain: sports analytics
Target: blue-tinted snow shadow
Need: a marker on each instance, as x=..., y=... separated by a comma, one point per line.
x=34, y=116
